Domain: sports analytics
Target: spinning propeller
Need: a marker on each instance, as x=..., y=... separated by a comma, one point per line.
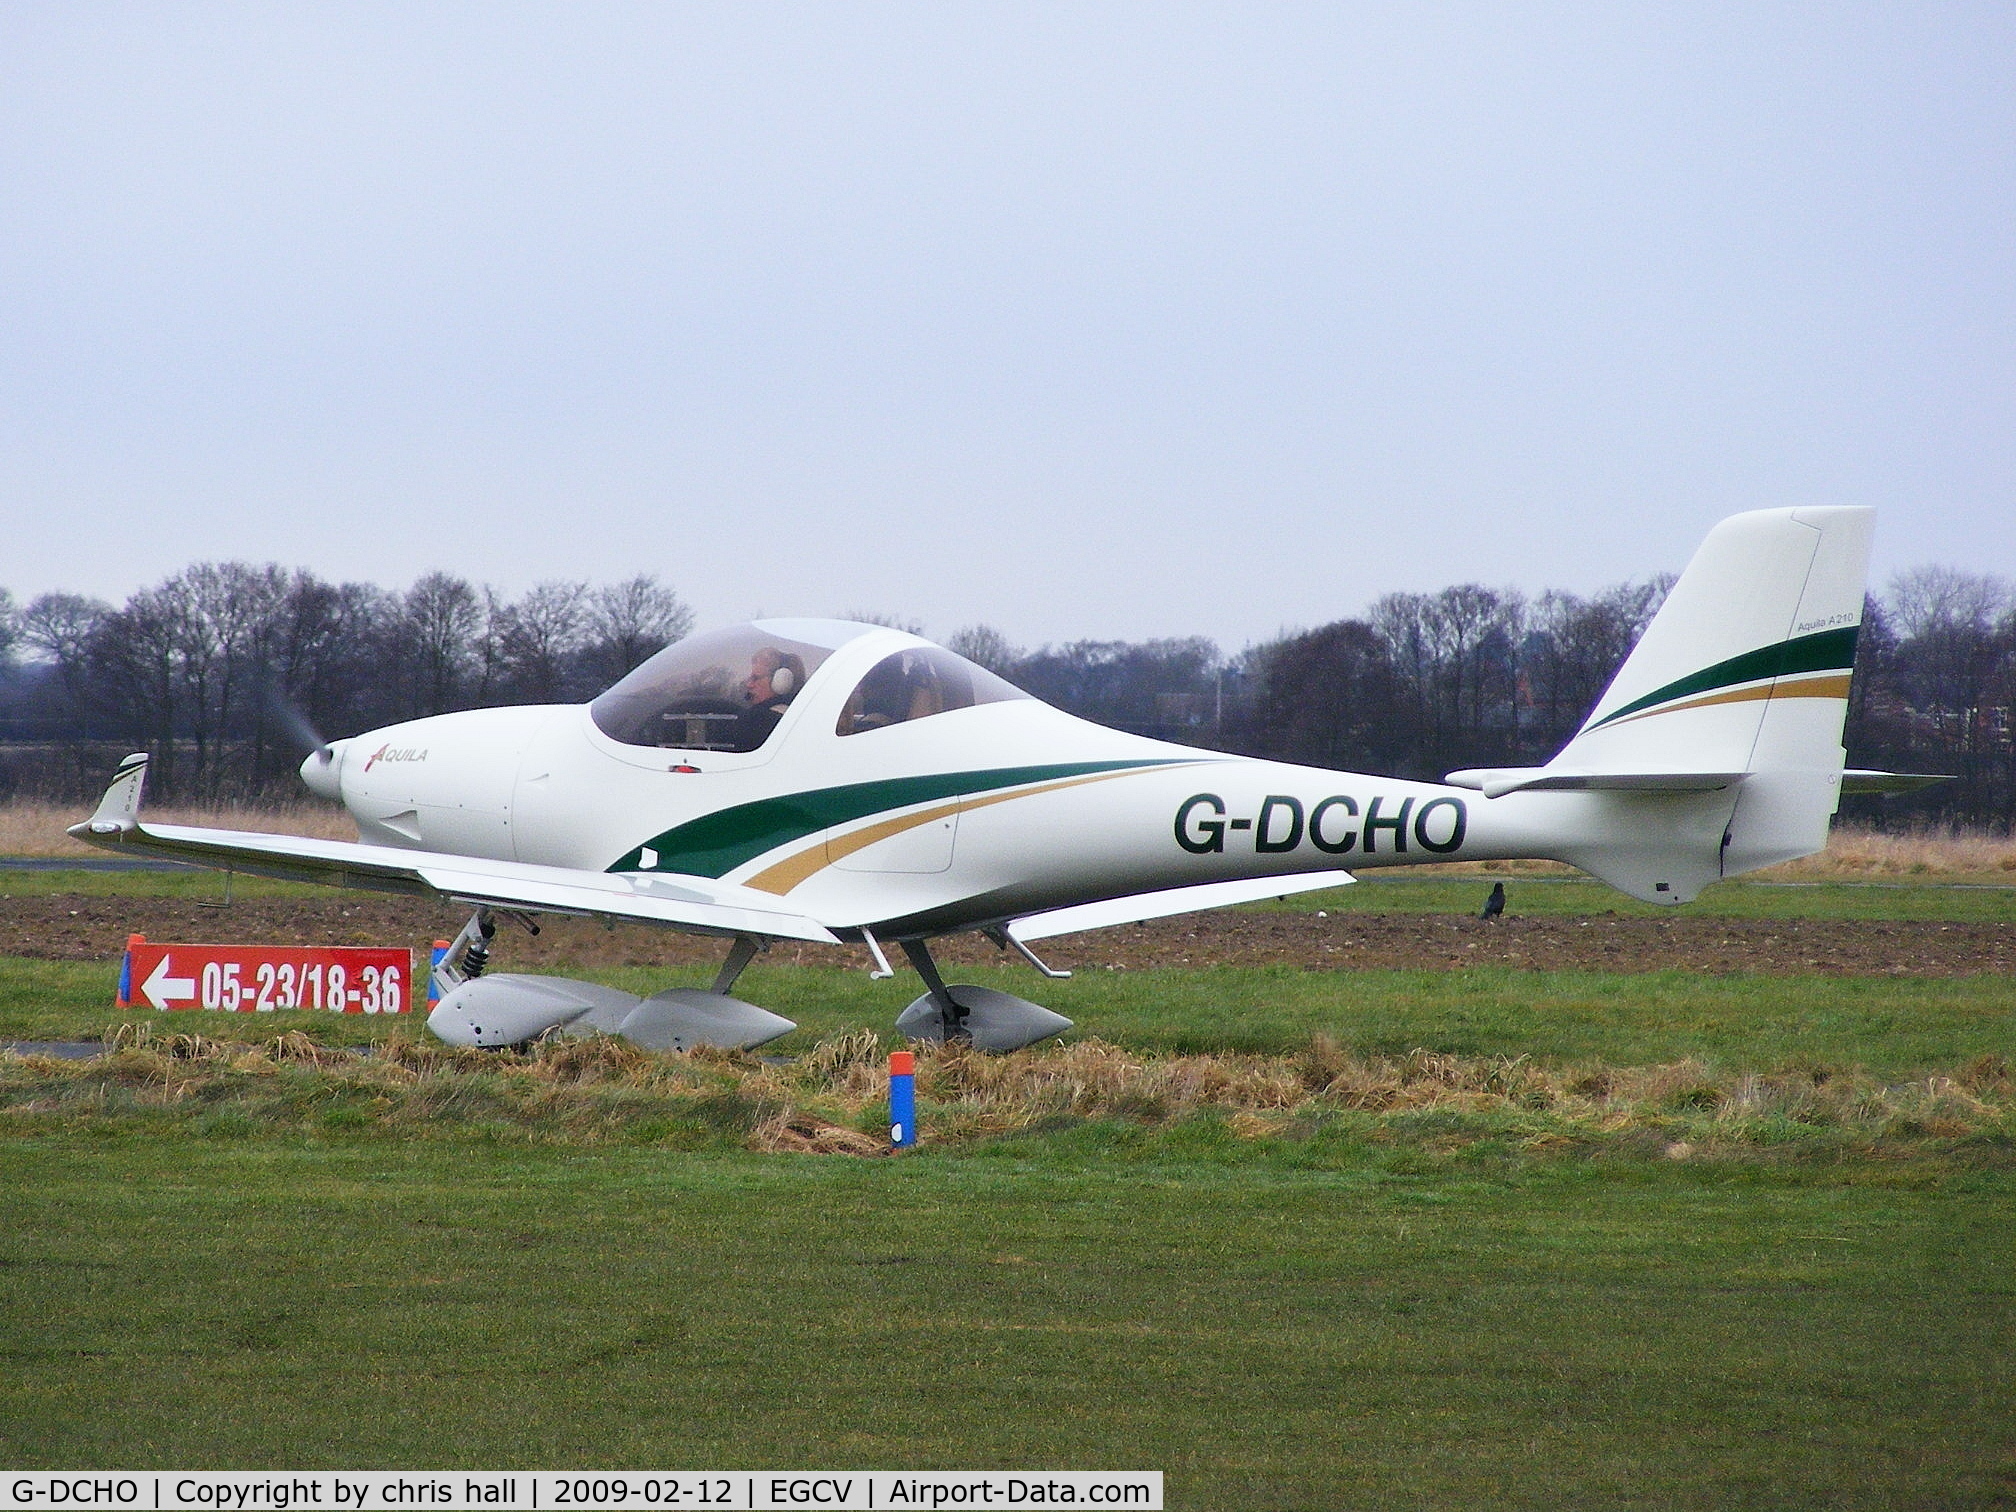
x=319, y=769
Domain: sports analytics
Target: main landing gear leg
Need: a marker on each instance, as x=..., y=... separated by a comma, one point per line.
x=470, y=953
x=740, y=954
x=949, y=1011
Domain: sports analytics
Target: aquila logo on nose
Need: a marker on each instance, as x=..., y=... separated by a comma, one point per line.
x=391, y=753
x=1333, y=826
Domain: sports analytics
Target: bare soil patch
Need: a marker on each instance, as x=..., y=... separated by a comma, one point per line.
x=86, y=928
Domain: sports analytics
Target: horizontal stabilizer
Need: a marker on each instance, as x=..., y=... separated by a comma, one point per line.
x=1496, y=782
x=1855, y=780
x=1174, y=900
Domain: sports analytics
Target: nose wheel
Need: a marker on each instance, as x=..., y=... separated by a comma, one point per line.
x=996, y=1022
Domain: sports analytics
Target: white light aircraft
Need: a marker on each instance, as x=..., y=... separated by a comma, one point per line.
x=812, y=779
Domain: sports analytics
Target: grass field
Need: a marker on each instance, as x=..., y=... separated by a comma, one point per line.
x=1385, y=1328
x=1300, y=1239
x=1897, y=1026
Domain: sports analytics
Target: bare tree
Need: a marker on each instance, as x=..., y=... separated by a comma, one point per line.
x=135, y=657
x=1455, y=656
x=1950, y=678
x=987, y=647
x=440, y=620
x=539, y=640
x=1165, y=688
x=1326, y=697
x=1573, y=647
x=1944, y=600
x=60, y=626
x=629, y=622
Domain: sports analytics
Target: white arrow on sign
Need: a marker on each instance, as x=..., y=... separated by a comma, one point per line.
x=161, y=990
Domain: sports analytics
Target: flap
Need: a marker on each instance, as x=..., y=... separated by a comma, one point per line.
x=1174, y=900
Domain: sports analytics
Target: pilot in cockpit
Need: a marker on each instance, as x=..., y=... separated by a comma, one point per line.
x=774, y=680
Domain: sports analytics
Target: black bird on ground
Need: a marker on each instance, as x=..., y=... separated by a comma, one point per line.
x=1495, y=904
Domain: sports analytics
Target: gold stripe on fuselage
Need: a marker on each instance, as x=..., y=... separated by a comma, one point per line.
x=793, y=869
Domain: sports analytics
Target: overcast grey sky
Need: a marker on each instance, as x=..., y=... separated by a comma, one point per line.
x=1087, y=320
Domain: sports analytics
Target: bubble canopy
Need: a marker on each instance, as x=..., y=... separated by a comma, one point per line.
x=724, y=690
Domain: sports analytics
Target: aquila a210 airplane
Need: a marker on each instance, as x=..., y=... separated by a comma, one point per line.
x=812, y=779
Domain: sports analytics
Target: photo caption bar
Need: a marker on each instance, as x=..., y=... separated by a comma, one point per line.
x=577, y=1491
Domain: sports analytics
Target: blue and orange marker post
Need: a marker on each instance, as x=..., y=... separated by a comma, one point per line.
x=125, y=999
x=902, y=1099
x=433, y=975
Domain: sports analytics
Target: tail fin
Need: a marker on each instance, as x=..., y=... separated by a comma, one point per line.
x=1719, y=740
x=1745, y=667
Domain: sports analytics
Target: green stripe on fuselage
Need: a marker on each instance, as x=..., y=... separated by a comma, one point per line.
x=715, y=844
x=1826, y=651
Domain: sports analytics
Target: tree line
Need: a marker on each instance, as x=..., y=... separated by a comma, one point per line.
x=208, y=669
x=223, y=668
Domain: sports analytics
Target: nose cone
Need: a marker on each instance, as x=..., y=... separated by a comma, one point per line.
x=323, y=771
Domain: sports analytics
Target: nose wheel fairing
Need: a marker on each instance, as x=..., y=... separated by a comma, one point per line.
x=990, y=1020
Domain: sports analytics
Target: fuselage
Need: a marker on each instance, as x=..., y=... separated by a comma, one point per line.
x=930, y=825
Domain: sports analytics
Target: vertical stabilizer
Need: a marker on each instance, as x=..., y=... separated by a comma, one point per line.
x=1745, y=670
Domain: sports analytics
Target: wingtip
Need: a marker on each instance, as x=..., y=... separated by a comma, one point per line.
x=118, y=812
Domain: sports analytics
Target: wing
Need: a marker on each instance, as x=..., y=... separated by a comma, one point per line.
x=699, y=905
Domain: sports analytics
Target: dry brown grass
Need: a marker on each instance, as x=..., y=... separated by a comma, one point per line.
x=972, y=1095
x=31, y=827
x=1853, y=853
x=831, y=1101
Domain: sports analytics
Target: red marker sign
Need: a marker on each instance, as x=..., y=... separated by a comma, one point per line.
x=260, y=978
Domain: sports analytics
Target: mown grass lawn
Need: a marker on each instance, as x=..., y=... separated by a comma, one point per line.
x=1374, y=1327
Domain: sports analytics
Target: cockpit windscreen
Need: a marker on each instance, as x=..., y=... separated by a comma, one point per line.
x=721, y=691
